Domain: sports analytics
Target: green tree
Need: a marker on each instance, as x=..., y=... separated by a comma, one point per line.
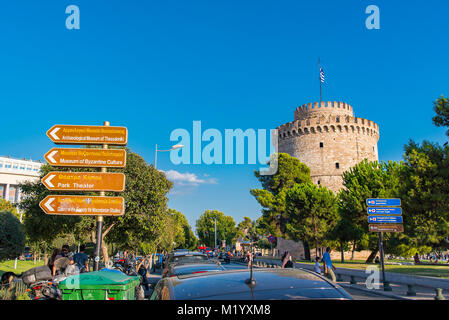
x=441, y=108
x=366, y=180
x=425, y=194
x=312, y=212
x=5, y=205
x=243, y=227
x=272, y=197
x=205, y=228
x=184, y=236
x=12, y=237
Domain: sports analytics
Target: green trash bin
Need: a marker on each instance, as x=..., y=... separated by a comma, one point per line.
x=99, y=285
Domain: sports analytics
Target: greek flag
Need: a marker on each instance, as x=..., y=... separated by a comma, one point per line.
x=321, y=75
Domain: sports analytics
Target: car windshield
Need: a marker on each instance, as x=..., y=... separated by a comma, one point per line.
x=190, y=259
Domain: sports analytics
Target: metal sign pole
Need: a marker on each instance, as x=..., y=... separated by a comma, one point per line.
x=382, y=254
x=100, y=221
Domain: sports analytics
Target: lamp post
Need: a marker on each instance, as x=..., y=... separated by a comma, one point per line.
x=176, y=146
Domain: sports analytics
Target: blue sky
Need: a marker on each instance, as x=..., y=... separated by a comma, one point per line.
x=154, y=66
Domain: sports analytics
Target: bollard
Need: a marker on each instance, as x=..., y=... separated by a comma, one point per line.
x=265, y=265
x=439, y=295
x=387, y=286
x=353, y=280
x=411, y=291
x=339, y=277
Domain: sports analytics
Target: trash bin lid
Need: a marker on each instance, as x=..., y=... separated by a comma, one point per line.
x=99, y=280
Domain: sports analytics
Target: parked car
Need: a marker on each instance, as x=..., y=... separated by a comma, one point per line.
x=277, y=284
x=185, y=269
x=183, y=258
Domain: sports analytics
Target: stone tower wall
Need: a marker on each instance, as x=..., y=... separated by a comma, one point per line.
x=344, y=139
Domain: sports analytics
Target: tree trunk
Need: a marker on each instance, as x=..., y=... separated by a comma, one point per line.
x=353, y=250
x=45, y=258
x=104, y=249
x=342, y=252
x=372, y=256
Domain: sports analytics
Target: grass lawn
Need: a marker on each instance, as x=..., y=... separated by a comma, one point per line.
x=22, y=266
x=440, y=271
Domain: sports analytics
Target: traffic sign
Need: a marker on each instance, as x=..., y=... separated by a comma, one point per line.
x=69, y=134
x=84, y=181
x=83, y=205
x=66, y=157
x=386, y=227
x=385, y=219
x=384, y=202
x=271, y=238
x=392, y=210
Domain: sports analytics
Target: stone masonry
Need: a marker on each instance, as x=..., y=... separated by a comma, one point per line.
x=329, y=140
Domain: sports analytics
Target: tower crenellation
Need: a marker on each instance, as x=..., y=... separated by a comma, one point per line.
x=329, y=139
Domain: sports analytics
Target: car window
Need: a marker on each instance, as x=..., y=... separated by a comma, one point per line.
x=190, y=259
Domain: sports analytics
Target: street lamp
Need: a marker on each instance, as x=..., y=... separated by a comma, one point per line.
x=176, y=146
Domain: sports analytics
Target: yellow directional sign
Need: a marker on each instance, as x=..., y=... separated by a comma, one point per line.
x=68, y=134
x=84, y=181
x=83, y=205
x=66, y=157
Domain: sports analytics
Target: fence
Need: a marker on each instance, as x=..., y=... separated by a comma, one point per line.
x=13, y=290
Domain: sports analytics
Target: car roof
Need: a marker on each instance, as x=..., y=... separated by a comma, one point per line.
x=210, y=266
x=188, y=253
x=270, y=284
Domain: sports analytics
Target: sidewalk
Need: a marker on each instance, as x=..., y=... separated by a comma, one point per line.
x=425, y=291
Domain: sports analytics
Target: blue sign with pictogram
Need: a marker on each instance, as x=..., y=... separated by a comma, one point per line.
x=392, y=210
x=394, y=202
x=385, y=219
x=271, y=238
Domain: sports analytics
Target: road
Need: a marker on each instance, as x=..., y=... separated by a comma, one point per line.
x=355, y=293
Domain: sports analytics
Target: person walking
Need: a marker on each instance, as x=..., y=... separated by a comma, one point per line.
x=328, y=267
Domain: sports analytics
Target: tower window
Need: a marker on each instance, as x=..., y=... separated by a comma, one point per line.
x=321, y=144
x=318, y=181
x=337, y=165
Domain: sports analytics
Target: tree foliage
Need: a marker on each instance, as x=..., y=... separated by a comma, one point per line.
x=441, y=108
x=425, y=193
x=12, y=237
x=205, y=228
x=312, y=212
x=275, y=187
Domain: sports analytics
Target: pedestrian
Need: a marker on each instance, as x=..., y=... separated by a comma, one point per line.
x=287, y=261
x=81, y=260
x=317, y=265
x=328, y=267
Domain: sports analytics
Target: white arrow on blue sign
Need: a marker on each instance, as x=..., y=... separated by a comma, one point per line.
x=394, y=202
x=385, y=219
x=393, y=210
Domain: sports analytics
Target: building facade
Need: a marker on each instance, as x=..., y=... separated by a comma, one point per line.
x=12, y=173
x=329, y=140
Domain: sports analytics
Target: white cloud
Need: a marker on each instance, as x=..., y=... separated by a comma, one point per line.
x=187, y=179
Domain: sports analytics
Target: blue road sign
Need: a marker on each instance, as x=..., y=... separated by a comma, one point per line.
x=385, y=219
x=383, y=202
x=393, y=210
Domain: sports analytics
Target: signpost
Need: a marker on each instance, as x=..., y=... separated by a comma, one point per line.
x=386, y=227
x=86, y=181
x=393, y=210
x=394, y=202
x=68, y=134
x=83, y=205
x=76, y=157
x=83, y=181
x=384, y=215
x=384, y=219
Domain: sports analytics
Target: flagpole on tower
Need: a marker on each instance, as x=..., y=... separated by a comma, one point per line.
x=319, y=78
